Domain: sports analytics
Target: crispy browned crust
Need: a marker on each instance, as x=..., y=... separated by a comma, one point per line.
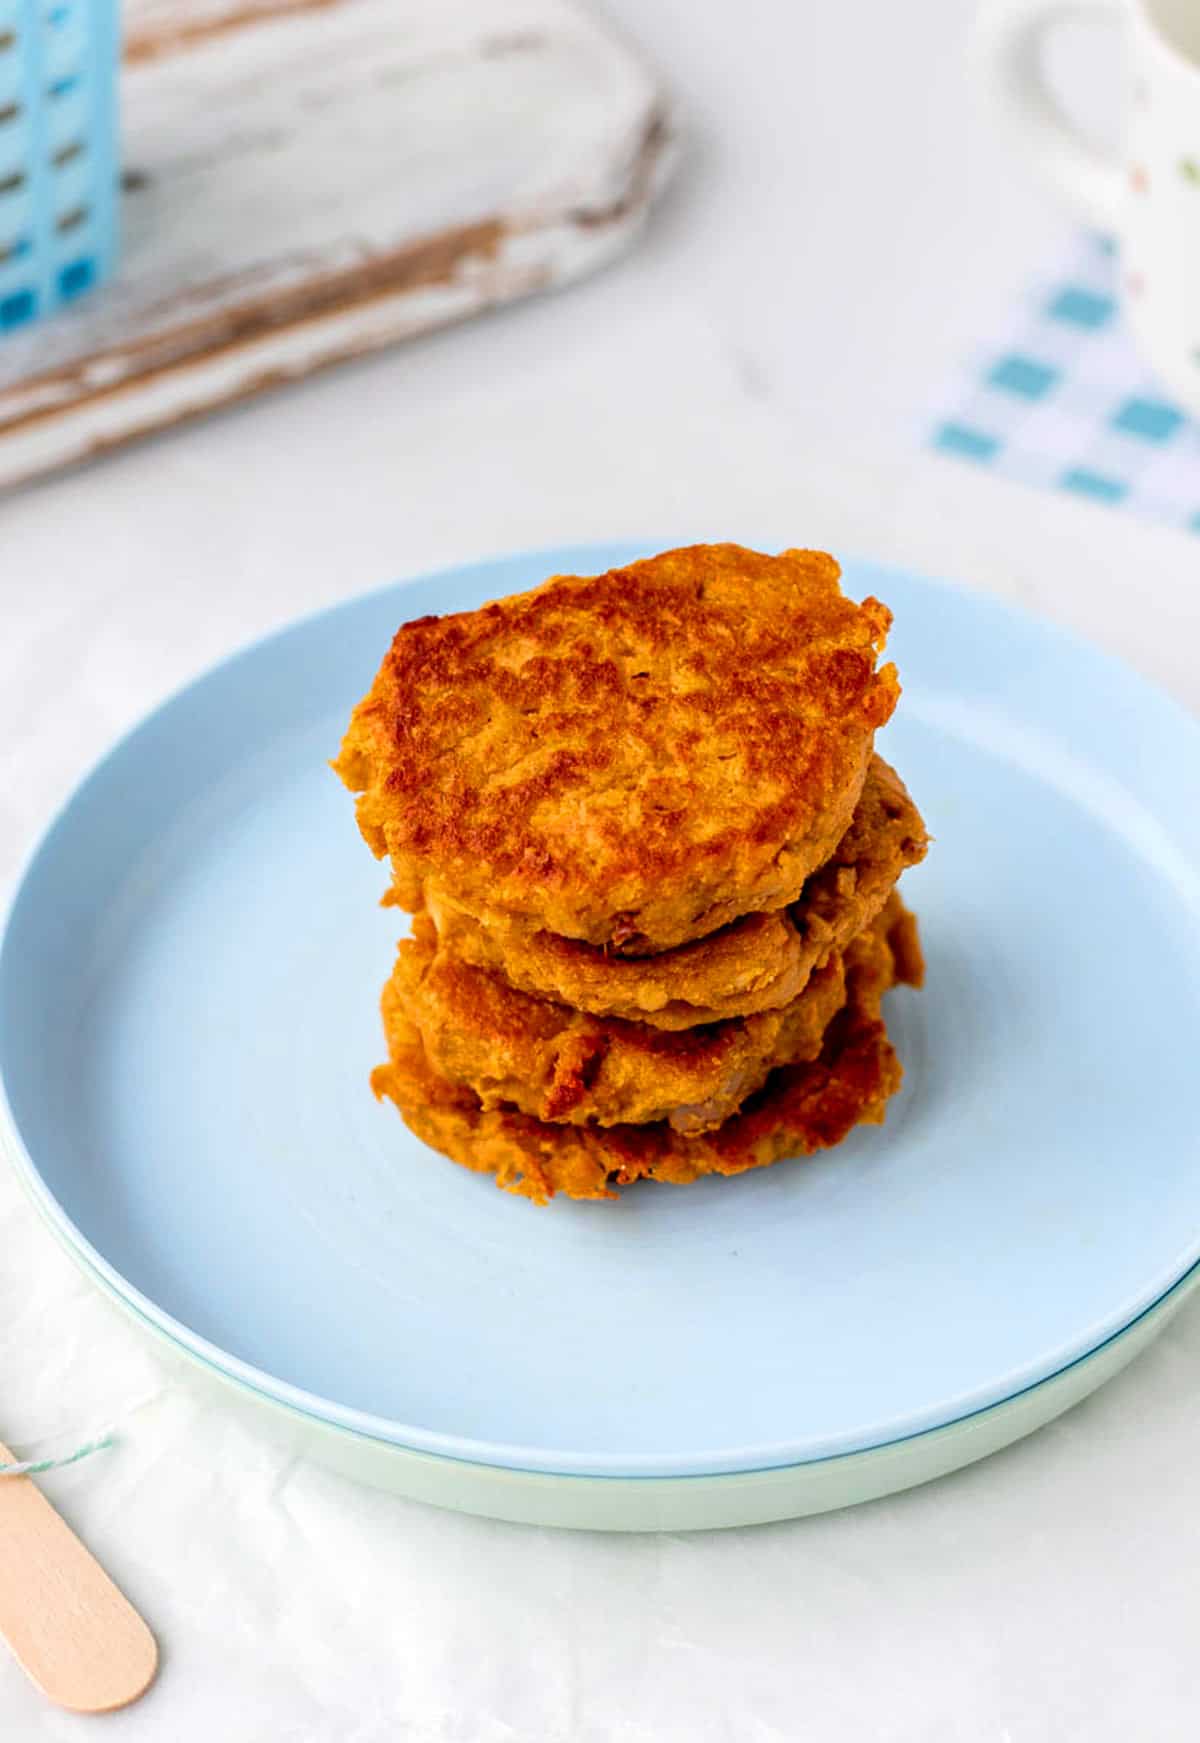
x=759, y=963
x=904, y=942
x=634, y=759
x=513, y=1048
x=886, y=835
x=756, y=964
x=801, y=1109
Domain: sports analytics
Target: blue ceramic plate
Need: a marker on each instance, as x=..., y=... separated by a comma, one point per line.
x=188, y=989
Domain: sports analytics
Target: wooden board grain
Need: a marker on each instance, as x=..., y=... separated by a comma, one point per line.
x=308, y=180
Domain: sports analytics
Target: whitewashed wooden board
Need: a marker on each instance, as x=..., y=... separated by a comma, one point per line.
x=308, y=180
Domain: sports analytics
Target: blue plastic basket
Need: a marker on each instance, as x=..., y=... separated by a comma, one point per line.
x=58, y=153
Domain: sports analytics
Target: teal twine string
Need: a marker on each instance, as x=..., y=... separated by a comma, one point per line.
x=34, y=1467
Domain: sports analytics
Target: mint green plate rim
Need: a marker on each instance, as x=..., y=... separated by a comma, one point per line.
x=702, y=1503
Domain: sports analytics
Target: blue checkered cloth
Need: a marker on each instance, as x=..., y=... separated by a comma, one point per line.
x=1063, y=401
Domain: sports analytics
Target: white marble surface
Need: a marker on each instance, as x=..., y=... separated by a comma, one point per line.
x=845, y=227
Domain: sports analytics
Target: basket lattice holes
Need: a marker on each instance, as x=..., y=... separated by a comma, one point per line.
x=58, y=155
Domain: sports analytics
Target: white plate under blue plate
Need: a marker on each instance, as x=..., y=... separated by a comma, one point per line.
x=188, y=989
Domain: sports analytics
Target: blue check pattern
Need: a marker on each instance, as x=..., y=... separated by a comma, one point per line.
x=1062, y=401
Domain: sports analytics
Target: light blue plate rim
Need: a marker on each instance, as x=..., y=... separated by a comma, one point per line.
x=1151, y=1321
x=583, y=558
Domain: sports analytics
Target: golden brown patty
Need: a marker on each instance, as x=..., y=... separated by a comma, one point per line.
x=634, y=759
x=857, y=883
x=800, y=1109
x=558, y=1064
x=759, y=963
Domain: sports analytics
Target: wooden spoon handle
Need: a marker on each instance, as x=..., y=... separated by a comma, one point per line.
x=71, y=1630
